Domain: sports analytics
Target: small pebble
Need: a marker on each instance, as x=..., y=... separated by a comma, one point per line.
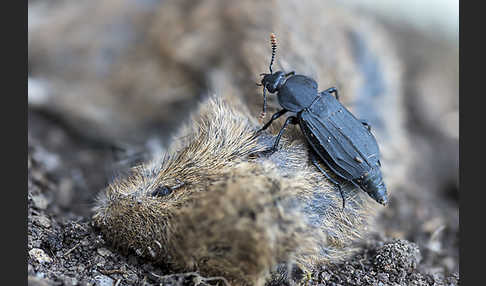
x=39, y=255
x=103, y=252
x=103, y=280
x=35, y=281
x=43, y=221
x=40, y=202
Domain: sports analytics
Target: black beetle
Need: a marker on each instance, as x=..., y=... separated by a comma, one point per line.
x=343, y=142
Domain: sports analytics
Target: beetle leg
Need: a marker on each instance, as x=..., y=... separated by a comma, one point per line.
x=366, y=124
x=333, y=90
x=314, y=161
x=275, y=116
x=264, y=101
x=290, y=73
x=290, y=120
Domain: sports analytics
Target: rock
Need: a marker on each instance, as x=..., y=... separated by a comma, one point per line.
x=40, y=201
x=104, y=252
x=103, y=280
x=34, y=281
x=39, y=255
x=43, y=221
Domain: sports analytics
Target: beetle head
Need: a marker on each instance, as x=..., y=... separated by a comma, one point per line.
x=272, y=82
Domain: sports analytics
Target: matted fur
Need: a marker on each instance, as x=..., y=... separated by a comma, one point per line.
x=239, y=214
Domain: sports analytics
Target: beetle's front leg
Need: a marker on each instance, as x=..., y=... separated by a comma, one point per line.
x=290, y=73
x=366, y=124
x=290, y=120
x=333, y=90
x=274, y=117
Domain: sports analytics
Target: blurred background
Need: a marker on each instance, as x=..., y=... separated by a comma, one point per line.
x=434, y=17
x=110, y=82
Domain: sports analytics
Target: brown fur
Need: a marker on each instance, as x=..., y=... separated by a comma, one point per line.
x=239, y=214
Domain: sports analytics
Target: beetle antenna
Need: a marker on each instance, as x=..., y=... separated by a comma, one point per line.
x=273, y=41
x=264, y=102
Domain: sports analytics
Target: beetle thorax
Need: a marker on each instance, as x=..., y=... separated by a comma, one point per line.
x=297, y=93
